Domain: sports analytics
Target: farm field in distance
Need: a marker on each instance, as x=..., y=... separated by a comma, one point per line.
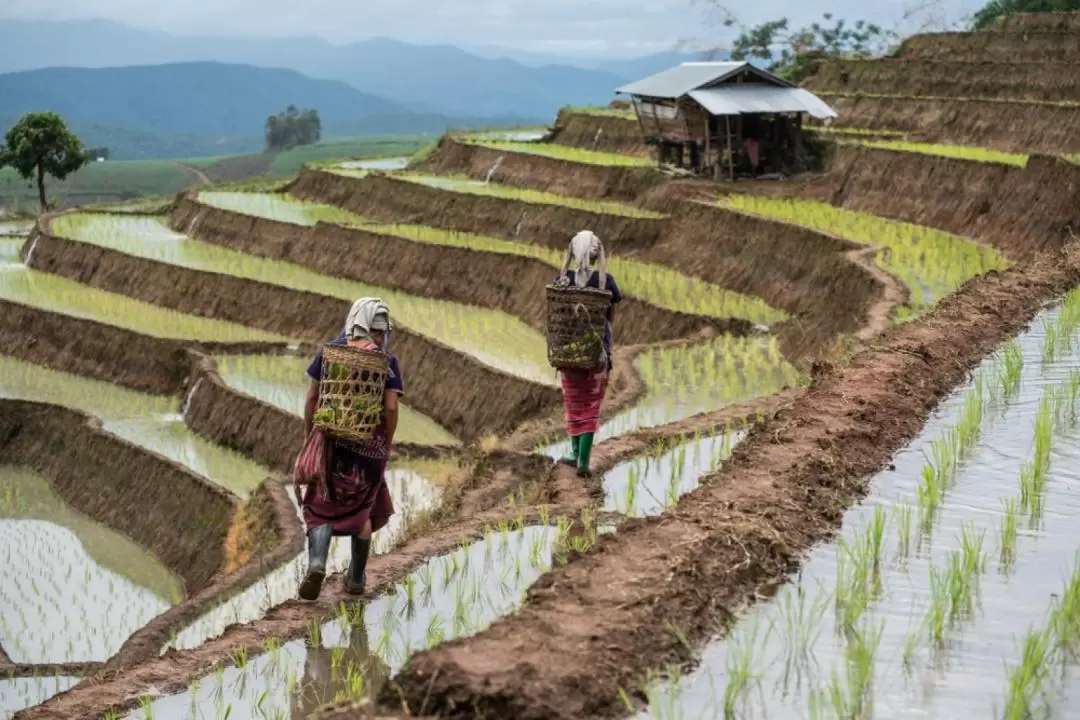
x=850, y=397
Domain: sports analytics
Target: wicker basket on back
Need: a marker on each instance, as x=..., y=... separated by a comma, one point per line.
x=576, y=317
x=351, y=392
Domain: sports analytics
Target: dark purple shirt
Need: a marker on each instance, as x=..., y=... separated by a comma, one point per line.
x=616, y=297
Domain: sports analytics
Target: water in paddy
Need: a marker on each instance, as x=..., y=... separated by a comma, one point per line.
x=53, y=293
x=524, y=135
x=685, y=381
x=927, y=653
x=282, y=381
x=16, y=227
x=393, y=163
x=494, y=338
x=71, y=589
x=451, y=596
x=152, y=422
x=415, y=487
x=20, y=693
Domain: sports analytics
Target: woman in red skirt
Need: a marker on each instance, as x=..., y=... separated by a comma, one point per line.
x=354, y=500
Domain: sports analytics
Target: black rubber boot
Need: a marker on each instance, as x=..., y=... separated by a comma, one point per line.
x=356, y=577
x=318, y=551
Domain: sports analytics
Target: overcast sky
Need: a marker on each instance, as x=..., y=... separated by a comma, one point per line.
x=566, y=27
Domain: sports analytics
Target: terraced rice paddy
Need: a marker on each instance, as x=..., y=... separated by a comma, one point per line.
x=931, y=263
x=393, y=163
x=282, y=381
x=23, y=692
x=71, y=590
x=962, y=152
x=520, y=350
x=573, y=154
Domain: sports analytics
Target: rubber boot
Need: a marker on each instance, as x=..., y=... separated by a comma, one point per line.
x=584, y=453
x=318, y=551
x=571, y=459
x=356, y=577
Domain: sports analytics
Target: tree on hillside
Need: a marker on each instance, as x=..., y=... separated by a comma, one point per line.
x=291, y=128
x=41, y=144
x=995, y=9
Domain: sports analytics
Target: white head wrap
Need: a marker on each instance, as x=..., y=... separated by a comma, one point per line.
x=367, y=314
x=579, y=256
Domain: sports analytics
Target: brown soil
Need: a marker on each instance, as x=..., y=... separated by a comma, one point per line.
x=456, y=406
x=44, y=670
x=122, y=486
x=1024, y=81
x=386, y=199
x=1012, y=126
x=603, y=133
x=539, y=172
x=1005, y=47
x=512, y=284
x=594, y=625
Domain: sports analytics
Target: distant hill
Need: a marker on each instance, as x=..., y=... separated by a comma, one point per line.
x=429, y=78
x=207, y=108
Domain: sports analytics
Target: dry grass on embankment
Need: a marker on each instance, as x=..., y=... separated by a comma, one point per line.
x=600, y=132
x=511, y=283
x=448, y=386
x=104, y=352
x=386, y=199
x=540, y=172
x=1013, y=126
x=1003, y=47
x=1033, y=81
x=180, y=517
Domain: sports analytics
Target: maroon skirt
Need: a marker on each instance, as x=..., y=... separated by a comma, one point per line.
x=354, y=493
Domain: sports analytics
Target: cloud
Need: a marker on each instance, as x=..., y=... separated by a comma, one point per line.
x=599, y=27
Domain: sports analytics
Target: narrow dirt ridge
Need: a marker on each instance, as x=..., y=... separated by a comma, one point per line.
x=597, y=625
x=200, y=177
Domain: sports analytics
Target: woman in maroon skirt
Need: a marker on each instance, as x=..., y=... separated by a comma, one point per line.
x=354, y=501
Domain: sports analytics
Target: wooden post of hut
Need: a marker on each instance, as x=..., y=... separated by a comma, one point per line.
x=730, y=150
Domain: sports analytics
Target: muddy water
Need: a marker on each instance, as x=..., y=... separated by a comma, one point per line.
x=393, y=163
x=70, y=589
x=651, y=484
x=20, y=693
x=281, y=381
x=495, y=338
x=53, y=293
x=451, y=596
x=414, y=488
x=793, y=659
x=149, y=421
x=685, y=381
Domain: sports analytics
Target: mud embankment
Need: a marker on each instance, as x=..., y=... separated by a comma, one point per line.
x=1003, y=47
x=603, y=133
x=735, y=539
x=448, y=386
x=929, y=78
x=1012, y=126
x=511, y=283
x=1018, y=210
x=103, y=352
x=386, y=199
x=541, y=172
x=179, y=516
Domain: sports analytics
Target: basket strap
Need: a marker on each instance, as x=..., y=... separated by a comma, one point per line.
x=602, y=270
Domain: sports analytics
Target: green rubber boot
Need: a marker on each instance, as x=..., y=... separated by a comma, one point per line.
x=584, y=453
x=572, y=458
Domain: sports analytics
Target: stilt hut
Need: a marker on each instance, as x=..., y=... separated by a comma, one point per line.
x=725, y=118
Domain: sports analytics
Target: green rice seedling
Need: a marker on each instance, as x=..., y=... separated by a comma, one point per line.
x=850, y=694
x=1007, y=535
x=801, y=620
x=962, y=152
x=1010, y=370
x=571, y=154
x=742, y=672
x=1027, y=681
x=1065, y=617
x=931, y=263
x=904, y=516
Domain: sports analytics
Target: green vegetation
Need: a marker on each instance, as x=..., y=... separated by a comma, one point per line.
x=101, y=182
x=931, y=263
x=962, y=152
x=40, y=144
x=291, y=128
x=350, y=148
x=572, y=154
x=604, y=111
x=997, y=10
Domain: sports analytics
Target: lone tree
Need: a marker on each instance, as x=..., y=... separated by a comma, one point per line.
x=41, y=143
x=292, y=127
x=995, y=9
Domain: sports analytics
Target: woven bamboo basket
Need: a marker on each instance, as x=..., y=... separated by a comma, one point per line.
x=351, y=392
x=575, y=326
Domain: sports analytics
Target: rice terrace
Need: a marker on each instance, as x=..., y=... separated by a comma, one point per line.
x=835, y=474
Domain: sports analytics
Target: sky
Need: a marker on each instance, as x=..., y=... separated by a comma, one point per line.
x=610, y=28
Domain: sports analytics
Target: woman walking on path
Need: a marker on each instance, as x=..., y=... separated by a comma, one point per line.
x=354, y=499
x=583, y=390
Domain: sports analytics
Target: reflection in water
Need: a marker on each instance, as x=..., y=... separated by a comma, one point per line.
x=20, y=693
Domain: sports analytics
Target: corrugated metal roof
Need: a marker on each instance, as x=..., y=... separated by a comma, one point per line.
x=681, y=79
x=740, y=99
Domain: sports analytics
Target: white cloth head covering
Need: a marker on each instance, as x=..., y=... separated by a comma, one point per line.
x=579, y=258
x=367, y=314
